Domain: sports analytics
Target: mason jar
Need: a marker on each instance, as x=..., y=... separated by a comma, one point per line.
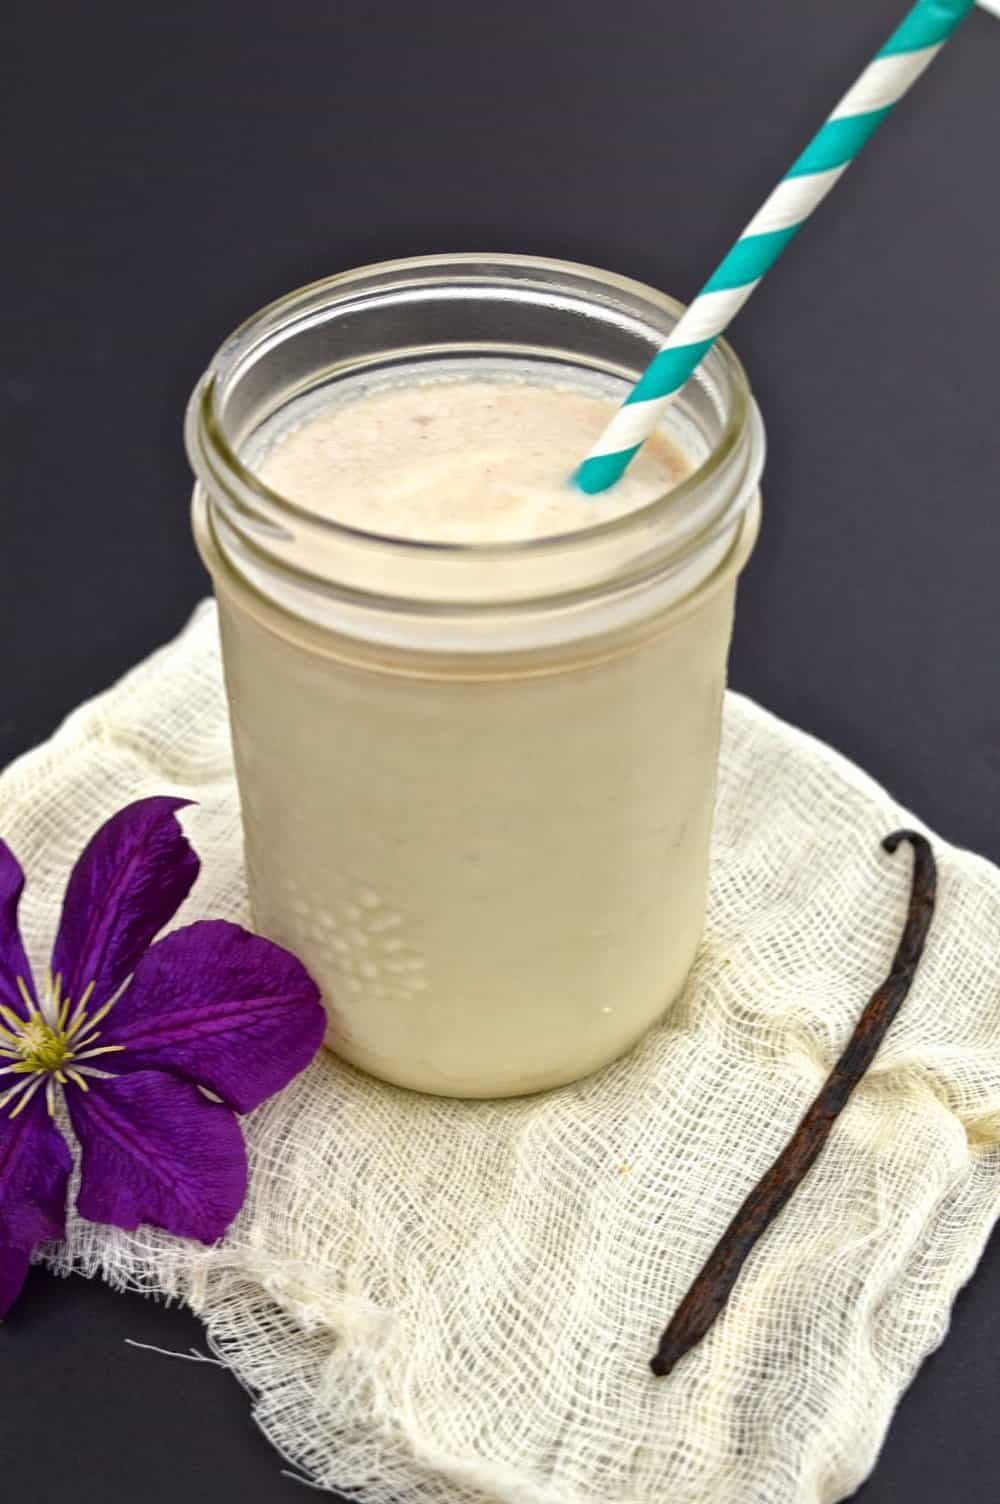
x=476, y=779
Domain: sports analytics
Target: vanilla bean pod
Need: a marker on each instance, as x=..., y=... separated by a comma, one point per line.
x=710, y=1291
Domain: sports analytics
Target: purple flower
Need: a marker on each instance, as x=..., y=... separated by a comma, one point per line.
x=130, y=1032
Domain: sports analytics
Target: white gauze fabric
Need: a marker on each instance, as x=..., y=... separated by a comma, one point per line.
x=442, y=1302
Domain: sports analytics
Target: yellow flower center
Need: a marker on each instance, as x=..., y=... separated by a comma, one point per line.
x=48, y=1047
x=43, y=1048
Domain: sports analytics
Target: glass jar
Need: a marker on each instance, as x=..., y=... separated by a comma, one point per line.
x=476, y=779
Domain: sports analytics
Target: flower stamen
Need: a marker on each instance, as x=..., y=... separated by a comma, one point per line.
x=63, y=1013
x=89, y=1024
x=50, y=1002
x=9, y=1095
x=13, y=1019
x=45, y=1046
x=32, y=1086
x=80, y=1012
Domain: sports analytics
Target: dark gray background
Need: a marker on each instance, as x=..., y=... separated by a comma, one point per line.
x=170, y=167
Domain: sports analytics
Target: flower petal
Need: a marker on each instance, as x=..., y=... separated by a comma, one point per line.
x=13, y=961
x=34, y=1168
x=130, y=880
x=221, y=1007
x=156, y=1150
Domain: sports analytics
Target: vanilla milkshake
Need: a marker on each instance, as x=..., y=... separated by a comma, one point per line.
x=477, y=454
x=475, y=713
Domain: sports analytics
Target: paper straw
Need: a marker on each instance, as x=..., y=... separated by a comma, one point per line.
x=912, y=46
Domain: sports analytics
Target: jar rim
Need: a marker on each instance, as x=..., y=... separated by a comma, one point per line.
x=208, y=444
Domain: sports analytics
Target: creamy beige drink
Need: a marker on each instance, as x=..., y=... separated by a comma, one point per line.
x=455, y=459
x=477, y=793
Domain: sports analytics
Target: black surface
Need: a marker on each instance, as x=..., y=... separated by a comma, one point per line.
x=168, y=168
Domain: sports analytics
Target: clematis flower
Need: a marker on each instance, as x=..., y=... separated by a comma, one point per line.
x=133, y=1035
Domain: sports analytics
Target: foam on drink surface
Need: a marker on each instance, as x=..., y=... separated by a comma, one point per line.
x=459, y=457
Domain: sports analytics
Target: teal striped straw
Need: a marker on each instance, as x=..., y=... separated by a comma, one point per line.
x=912, y=46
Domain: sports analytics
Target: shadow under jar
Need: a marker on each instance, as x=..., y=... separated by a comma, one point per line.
x=477, y=780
